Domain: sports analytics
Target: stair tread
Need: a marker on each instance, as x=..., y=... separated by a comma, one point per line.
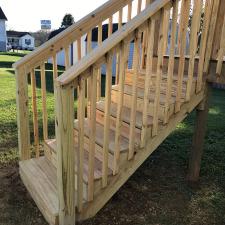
x=124, y=143
x=125, y=115
x=140, y=94
x=97, y=164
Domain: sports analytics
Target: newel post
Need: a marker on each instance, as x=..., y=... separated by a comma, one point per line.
x=65, y=153
x=22, y=113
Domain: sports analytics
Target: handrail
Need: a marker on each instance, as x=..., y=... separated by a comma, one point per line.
x=70, y=34
x=74, y=71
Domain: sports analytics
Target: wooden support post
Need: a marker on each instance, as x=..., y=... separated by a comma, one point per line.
x=65, y=154
x=22, y=113
x=199, y=135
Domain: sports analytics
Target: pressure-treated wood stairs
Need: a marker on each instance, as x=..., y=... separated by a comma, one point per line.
x=39, y=175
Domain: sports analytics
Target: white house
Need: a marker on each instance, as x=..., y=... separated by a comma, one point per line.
x=21, y=40
x=3, y=37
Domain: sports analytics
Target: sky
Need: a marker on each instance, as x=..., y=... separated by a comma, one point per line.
x=25, y=15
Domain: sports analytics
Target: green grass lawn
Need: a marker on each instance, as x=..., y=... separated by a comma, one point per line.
x=157, y=194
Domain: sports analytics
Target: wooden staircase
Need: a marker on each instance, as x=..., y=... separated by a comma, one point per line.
x=97, y=149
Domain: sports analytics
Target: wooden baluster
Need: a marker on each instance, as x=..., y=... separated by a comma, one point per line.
x=129, y=11
x=65, y=153
x=120, y=23
x=89, y=48
x=136, y=68
x=22, y=113
x=162, y=37
x=67, y=58
x=55, y=66
x=221, y=52
x=99, y=76
x=180, y=75
x=148, y=73
x=193, y=45
x=110, y=26
x=171, y=59
x=79, y=48
x=44, y=104
x=139, y=6
x=35, y=113
x=81, y=116
x=124, y=51
x=107, y=118
x=207, y=13
x=211, y=34
x=92, y=133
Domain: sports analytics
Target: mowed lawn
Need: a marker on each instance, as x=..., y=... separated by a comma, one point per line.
x=157, y=194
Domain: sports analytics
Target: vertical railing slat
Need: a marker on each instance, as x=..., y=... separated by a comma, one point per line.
x=99, y=76
x=171, y=59
x=221, y=52
x=205, y=29
x=107, y=118
x=123, y=51
x=180, y=75
x=79, y=48
x=67, y=58
x=35, y=113
x=55, y=66
x=44, y=103
x=136, y=67
x=92, y=133
x=148, y=73
x=159, y=72
x=193, y=45
x=129, y=11
x=139, y=6
x=81, y=116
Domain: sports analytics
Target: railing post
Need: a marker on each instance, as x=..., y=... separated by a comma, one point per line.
x=65, y=153
x=22, y=113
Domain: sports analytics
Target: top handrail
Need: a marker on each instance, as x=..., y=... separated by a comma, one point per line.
x=78, y=68
x=70, y=34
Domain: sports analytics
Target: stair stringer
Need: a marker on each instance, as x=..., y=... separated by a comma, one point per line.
x=127, y=168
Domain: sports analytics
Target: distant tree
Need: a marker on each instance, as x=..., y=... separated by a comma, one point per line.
x=67, y=21
x=40, y=37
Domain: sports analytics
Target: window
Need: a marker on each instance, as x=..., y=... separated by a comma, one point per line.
x=27, y=41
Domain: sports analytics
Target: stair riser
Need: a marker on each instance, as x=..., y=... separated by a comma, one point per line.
x=125, y=128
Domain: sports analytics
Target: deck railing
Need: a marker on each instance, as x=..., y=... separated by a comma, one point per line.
x=149, y=19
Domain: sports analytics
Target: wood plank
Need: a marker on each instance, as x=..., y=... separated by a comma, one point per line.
x=207, y=13
x=81, y=116
x=55, y=66
x=107, y=119
x=92, y=132
x=195, y=25
x=22, y=113
x=44, y=103
x=148, y=80
x=129, y=11
x=171, y=60
x=136, y=66
x=35, y=113
x=123, y=66
x=183, y=27
x=67, y=58
x=65, y=154
x=221, y=53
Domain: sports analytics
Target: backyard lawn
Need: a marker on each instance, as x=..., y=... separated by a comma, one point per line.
x=157, y=194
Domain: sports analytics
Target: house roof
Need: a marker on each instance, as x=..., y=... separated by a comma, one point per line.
x=2, y=15
x=55, y=32
x=94, y=32
x=13, y=33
